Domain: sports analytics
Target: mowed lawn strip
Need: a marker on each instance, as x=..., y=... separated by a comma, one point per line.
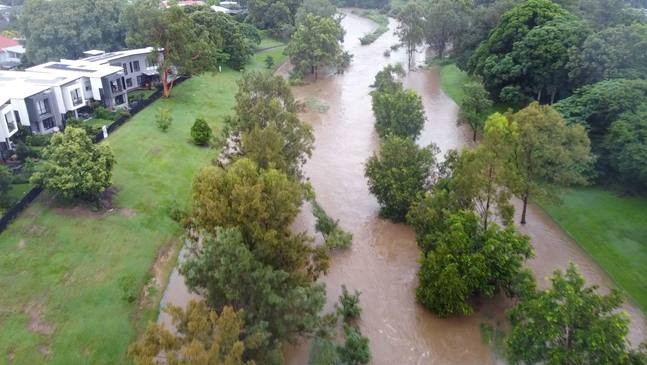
x=60, y=269
x=612, y=229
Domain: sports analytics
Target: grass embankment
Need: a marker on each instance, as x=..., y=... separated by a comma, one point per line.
x=609, y=227
x=380, y=19
x=60, y=269
x=612, y=230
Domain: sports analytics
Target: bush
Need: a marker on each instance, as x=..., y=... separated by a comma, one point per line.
x=355, y=350
x=38, y=140
x=201, y=132
x=23, y=151
x=102, y=112
x=128, y=287
x=334, y=236
x=5, y=186
x=269, y=62
x=350, y=308
x=163, y=119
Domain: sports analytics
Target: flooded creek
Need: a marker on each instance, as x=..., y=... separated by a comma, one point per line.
x=383, y=261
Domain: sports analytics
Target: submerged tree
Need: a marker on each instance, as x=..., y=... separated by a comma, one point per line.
x=411, y=28
x=474, y=106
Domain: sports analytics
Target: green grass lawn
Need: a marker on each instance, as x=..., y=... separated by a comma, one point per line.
x=452, y=80
x=612, y=230
x=60, y=269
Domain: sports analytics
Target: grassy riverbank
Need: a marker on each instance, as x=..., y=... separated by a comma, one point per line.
x=609, y=227
x=612, y=229
x=380, y=19
x=63, y=270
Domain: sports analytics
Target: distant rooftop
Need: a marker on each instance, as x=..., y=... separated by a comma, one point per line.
x=75, y=68
x=104, y=58
x=7, y=42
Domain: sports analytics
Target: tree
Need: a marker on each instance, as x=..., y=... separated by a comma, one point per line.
x=321, y=8
x=398, y=113
x=474, y=106
x=186, y=46
x=6, y=178
x=398, y=173
x=265, y=101
x=203, y=337
x=201, y=132
x=55, y=29
x=277, y=16
x=387, y=80
x=611, y=53
x=349, y=307
x=355, y=350
x=494, y=60
x=315, y=44
x=274, y=303
x=74, y=167
x=411, y=28
x=163, y=119
x=626, y=143
x=547, y=152
x=469, y=261
x=568, y=324
x=262, y=204
x=444, y=20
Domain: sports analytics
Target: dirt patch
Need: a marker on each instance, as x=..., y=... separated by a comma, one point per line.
x=10, y=356
x=22, y=244
x=44, y=349
x=86, y=209
x=127, y=212
x=36, y=322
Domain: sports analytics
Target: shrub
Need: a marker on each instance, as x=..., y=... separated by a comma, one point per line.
x=102, y=112
x=23, y=151
x=38, y=140
x=269, y=62
x=163, y=119
x=350, y=308
x=201, y=132
x=5, y=186
x=128, y=288
x=355, y=350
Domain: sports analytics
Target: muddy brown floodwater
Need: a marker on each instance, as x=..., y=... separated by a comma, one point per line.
x=382, y=263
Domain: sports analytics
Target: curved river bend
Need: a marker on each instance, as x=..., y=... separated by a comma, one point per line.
x=382, y=263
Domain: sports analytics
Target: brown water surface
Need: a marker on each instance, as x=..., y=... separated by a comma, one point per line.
x=382, y=263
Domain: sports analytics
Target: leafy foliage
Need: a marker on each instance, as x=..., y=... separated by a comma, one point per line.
x=277, y=16
x=334, y=236
x=349, y=307
x=569, y=324
x=469, y=261
x=355, y=350
x=316, y=44
x=6, y=177
x=274, y=302
x=74, y=167
x=398, y=173
x=203, y=337
x=163, y=119
x=626, y=142
x=474, y=106
x=398, y=113
x=201, y=133
x=411, y=28
x=445, y=20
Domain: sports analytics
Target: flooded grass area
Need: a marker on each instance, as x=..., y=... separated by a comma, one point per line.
x=612, y=229
x=64, y=271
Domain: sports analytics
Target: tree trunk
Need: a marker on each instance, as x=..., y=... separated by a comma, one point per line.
x=474, y=135
x=525, y=207
x=539, y=96
x=166, y=85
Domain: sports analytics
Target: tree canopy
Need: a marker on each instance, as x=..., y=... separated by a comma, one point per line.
x=474, y=106
x=411, y=28
x=626, y=143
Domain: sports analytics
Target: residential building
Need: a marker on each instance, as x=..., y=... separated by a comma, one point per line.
x=139, y=71
x=11, y=53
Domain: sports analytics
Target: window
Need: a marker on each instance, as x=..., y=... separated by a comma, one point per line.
x=136, y=65
x=129, y=82
x=140, y=80
x=76, y=97
x=43, y=106
x=125, y=66
x=88, y=86
x=11, y=123
x=16, y=116
x=131, y=66
x=48, y=123
x=119, y=100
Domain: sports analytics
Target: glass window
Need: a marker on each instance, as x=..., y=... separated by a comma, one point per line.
x=129, y=82
x=136, y=65
x=11, y=123
x=88, y=86
x=119, y=100
x=76, y=97
x=125, y=68
x=48, y=123
x=16, y=116
x=43, y=106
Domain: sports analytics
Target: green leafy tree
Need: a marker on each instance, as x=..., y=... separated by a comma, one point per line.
x=269, y=62
x=626, y=143
x=163, y=119
x=474, y=106
x=276, y=16
x=398, y=113
x=355, y=350
x=265, y=101
x=469, y=261
x=398, y=173
x=444, y=20
x=616, y=52
x=316, y=44
x=6, y=177
x=186, y=46
x=322, y=8
x=55, y=29
x=262, y=204
x=411, y=28
x=349, y=307
x=274, y=303
x=547, y=152
x=569, y=323
x=201, y=133
x=388, y=79
x=494, y=60
x=74, y=167
x=203, y=337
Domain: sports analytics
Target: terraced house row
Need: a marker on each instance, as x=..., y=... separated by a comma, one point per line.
x=42, y=97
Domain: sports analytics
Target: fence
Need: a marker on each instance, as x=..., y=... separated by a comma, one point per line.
x=31, y=195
